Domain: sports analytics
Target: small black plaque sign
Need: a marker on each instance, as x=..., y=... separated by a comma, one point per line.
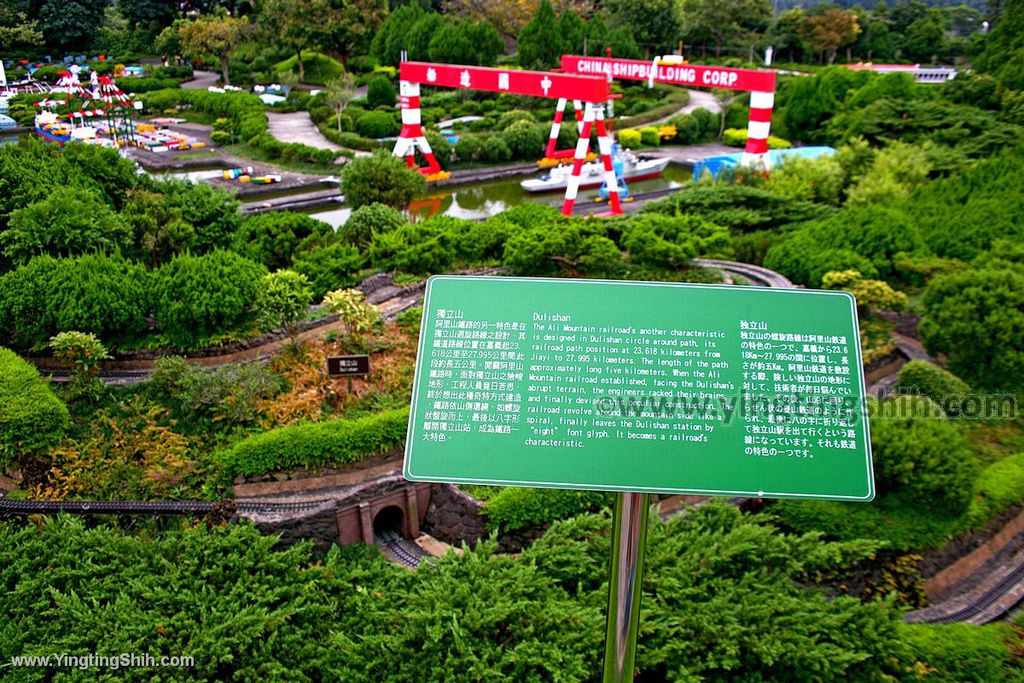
x=348, y=366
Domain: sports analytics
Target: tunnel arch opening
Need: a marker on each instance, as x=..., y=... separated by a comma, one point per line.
x=389, y=521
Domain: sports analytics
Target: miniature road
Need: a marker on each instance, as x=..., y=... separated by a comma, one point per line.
x=699, y=99
x=201, y=80
x=298, y=127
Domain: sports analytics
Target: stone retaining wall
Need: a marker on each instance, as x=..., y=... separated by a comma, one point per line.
x=319, y=525
x=953, y=577
x=454, y=516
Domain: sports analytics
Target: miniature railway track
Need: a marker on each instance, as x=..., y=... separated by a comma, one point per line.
x=757, y=275
x=983, y=604
x=986, y=600
x=193, y=508
x=398, y=548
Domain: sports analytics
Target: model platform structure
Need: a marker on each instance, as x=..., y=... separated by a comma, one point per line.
x=100, y=114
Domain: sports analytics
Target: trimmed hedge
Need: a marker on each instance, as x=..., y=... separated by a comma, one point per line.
x=516, y=508
x=32, y=418
x=314, y=445
x=139, y=85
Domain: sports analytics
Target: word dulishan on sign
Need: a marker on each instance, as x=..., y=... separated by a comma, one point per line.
x=348, y=366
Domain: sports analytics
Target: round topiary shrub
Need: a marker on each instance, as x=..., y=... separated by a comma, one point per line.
x=940, y=385
x=377, y=124
x=630, y=138
x=32, y=418
x=368, y=220
x=649, y=136
x=495, y=150
x=380, y=92
x=920, y=455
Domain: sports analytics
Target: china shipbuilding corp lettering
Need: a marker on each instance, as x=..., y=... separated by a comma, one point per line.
x=666, y=72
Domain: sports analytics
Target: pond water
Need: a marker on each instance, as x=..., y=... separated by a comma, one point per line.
x=9, y=138
x=471, y=201
x=480, y=200
x=195, y=174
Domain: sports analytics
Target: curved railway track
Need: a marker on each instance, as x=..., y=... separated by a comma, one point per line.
x=984, y=602
x=390, y=300
x=756, y=275
x=399, y=549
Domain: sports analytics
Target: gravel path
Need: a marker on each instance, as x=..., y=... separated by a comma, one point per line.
x=201, y=80
x=699, y=99
x=298, y=127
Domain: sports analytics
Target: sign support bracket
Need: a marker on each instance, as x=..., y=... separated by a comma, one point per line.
x=625, y=585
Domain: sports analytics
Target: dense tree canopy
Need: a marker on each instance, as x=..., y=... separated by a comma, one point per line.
x=32, y=418
x=212, y=35
x=380, y=178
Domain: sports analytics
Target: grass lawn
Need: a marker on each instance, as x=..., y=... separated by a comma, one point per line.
x=905, y=526
x=319, y=68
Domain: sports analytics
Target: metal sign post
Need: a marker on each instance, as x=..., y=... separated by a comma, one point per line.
x=625, y=585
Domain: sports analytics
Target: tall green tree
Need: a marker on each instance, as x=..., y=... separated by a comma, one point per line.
x=925, y=39
x=213, y=35
x=1004, y=46
x=722, y=22
x=785, y=37
x=353, y=26
x=653, y=23
x=541, y=42
x=417, y=41
x=16, y=31
x=295, y=24
x=338, y=93
x=148, y=16
x=70, y=25
x=390, y=38
x=573, y=31
x=828, y=29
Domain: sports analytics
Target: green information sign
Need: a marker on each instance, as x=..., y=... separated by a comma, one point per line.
x=639, y=386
